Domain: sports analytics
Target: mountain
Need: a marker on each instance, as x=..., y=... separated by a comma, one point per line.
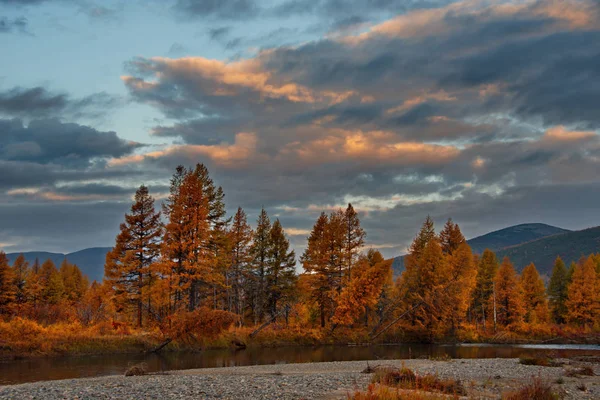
x=512, y=236
x=570, y=246
x=90, y=261
x=501, y=239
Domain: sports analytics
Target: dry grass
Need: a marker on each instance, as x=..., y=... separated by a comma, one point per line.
x=136, y=370
x=379, y=392
x=405, y=378
x=583, y=371
x=536, y=390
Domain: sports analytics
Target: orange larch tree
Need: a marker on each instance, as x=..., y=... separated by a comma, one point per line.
x=583, y=300
x=128, y=264
x=509, y=295
x=534, y=295
x=7, y=287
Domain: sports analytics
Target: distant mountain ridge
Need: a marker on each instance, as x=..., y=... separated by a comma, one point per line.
x=511, y=237
x=90, y=261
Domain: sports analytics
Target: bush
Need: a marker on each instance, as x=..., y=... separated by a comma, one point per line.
x=536, y=390
x=405, y=378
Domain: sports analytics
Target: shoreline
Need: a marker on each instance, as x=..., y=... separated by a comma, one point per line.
x=324, y=380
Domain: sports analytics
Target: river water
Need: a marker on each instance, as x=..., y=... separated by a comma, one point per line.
x=40, y=369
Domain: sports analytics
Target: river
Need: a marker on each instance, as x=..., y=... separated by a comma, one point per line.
x=68, y=367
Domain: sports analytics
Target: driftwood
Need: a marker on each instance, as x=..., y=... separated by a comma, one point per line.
x=161, y=346
x=270, y=321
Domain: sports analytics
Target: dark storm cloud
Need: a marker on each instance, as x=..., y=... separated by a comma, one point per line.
x=51, y=141
x=13, y=25
x=39, y=102
x=225, y=9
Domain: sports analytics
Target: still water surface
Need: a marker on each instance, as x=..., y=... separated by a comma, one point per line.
x=40, y=369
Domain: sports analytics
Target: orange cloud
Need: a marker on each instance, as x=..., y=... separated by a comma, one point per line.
x=441, y=95
x=231, y=77
x=224, y=154
x=561, y=134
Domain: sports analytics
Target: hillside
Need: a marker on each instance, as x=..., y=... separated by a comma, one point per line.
x=569, y=246
x=501, y=239
x=512, y=236
x=90, y=261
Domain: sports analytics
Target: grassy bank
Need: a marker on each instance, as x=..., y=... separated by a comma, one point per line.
x=25, y=338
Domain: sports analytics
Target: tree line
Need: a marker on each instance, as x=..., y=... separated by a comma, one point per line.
x=189, y=259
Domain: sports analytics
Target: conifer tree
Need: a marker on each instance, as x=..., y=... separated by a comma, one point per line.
x=558, y=291
x=451, y=237
x=583, y=300
x=534, y=292
x=463, y=278
x=75, y=283
x=240, y=237
x=509, y=295
x=354, y=238
x=261, y=247
x=281, y=272
x=21, y=274
x=484, y=287
x=319, y=274
x=128, y=264
x=51, y=282
x=7, y=287
x=188, y=257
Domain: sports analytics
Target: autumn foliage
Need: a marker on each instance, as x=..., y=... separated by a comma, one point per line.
x=190, y=275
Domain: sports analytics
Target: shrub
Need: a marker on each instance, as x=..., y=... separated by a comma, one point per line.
x=536, y=390
x=405, y=378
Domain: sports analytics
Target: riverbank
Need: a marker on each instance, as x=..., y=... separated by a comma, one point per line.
x=482, y=378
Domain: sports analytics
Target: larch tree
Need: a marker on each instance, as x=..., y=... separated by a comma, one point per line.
x=281, y=271
x=240, y=237
x=75, y=283
x=484, y=286
x=364, y=289
x=412, y=277
x=128, y=265
x=583, y=300
x=509, y=295
x=7, y=287
x=261, y=247
x=463, y=278
x=319, y=274
x=534, y=295
x=558, y=291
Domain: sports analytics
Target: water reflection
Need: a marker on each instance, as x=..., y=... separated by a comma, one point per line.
x=85, y=366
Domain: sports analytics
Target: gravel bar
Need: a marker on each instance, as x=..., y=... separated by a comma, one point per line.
x=483, y=378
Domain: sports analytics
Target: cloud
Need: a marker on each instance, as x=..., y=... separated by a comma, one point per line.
x=15, y=25
x=225, y=9
x=38, y=102
x=51, y=141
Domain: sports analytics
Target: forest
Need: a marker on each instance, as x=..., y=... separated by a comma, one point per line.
x=188, y=276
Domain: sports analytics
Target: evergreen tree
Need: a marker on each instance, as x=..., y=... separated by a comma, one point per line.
x=7, y=287
x=558, y=291
x=260, y=250
x=509, y=295
x=240, y=237
x=451, y=237
x=536, y=305
x=52, y=284
x=137, y=247
x=21, y=274
x=583, y=300
x=354, y=238
x=281, y=272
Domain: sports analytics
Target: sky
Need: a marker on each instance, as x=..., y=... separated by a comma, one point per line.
x=486, y=112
